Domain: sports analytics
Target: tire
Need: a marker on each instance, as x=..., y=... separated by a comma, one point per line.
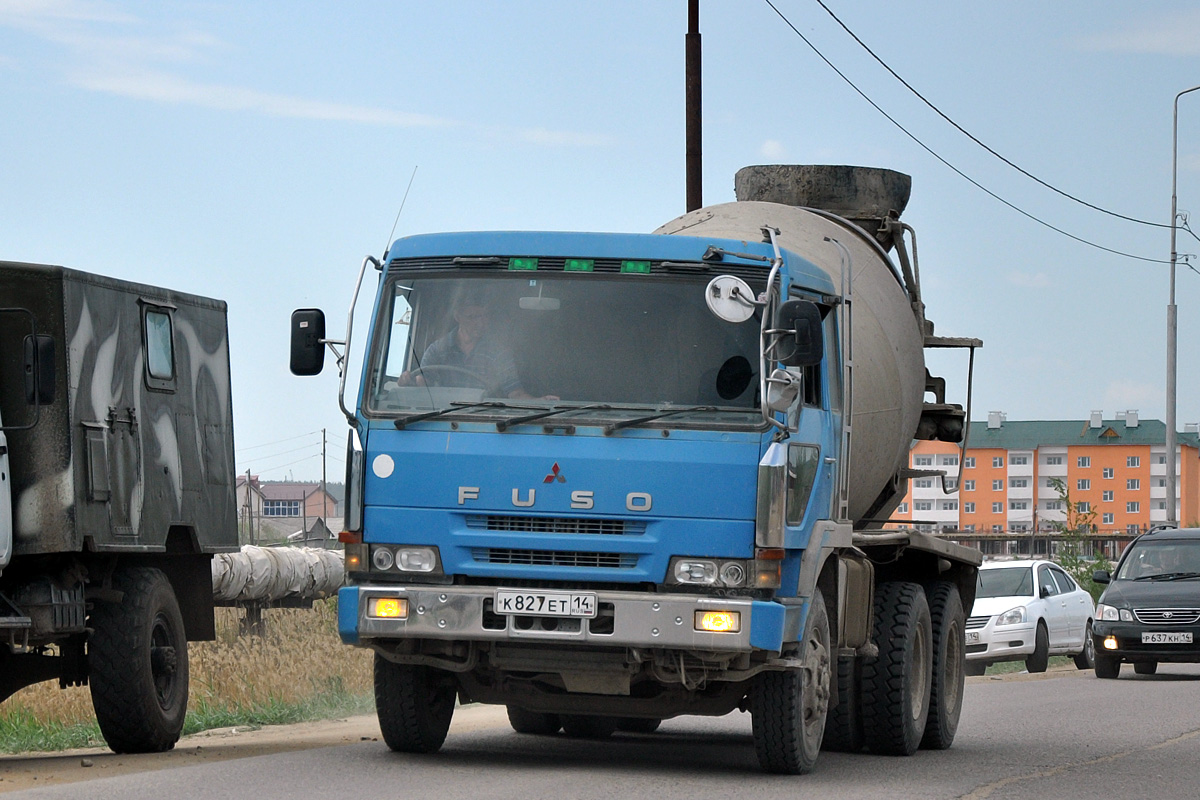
x=138, y=664
x=949, y=665
x=1107, y=666
x=1086, y=658
x=788, y=708
x=587, y=726
x=843, y=722
x=1145, y=667
x=974, y=668
x=533, y=722
x=414, y=705
x=1039, y=659
x=898, y=682
x=638, y=725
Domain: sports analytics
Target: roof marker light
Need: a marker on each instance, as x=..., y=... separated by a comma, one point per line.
x=579, y=265
x=522, y=264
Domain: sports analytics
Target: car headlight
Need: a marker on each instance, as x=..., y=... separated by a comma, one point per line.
x=1112, y=613
x=1014, y=616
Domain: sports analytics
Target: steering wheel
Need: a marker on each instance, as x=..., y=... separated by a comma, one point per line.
x=447, y=374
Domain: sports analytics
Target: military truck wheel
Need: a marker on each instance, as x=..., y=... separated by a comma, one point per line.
x=788, y=708
x=638, y=724
x=949, y=665
x=843, y=723
x=534, y=722
x=414, y=705
x=897, y=684
x=138, y=664
x=587, y=726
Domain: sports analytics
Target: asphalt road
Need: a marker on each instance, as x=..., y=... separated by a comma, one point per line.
x=1062, y=735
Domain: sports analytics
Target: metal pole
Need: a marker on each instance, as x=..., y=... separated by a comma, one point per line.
x=692, y=114
x=1172, y=327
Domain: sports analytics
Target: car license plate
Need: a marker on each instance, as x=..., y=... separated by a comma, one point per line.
x=1166, y=638
x=972, y=637
x=546, y=604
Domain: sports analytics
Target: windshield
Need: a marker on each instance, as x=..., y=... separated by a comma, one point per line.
x=1148, y=560
x=614, y=344
x=1005, y=582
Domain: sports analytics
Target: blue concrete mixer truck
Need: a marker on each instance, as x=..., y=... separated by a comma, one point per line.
x=608, y=479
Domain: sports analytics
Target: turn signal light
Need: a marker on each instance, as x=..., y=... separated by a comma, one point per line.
x=719, y=621
x=389, y=608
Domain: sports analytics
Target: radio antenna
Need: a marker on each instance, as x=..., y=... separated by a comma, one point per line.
x=403, y=200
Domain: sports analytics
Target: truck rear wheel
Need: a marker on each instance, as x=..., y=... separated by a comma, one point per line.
x=949, y=664
x=897, y=683
x=788, y=708
x=414, y=705
x=138, y=665
x=588, y=726
x=534, y=722
x=843, y=724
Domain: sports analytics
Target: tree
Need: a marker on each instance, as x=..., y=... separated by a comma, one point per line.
x=1076, y=548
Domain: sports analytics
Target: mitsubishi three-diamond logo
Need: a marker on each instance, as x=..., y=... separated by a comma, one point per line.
x=555, y=475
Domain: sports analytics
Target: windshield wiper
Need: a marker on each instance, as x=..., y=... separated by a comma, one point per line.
x=505, y=424
x=1171, y=576
x=616, y=426
x=455, y=406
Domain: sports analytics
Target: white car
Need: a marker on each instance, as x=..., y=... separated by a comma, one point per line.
x=1028, y=610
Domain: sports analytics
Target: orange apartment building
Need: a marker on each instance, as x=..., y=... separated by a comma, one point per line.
x=1003, y=483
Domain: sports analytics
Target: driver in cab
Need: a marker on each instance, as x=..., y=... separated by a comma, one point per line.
x=469, y=356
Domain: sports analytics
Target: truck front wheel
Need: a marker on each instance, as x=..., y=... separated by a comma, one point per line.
x=788, y=708
x=414, y=704
x=897, y=683
x=137, y=663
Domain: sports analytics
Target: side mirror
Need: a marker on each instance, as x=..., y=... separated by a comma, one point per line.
x=308, y=341
x=800, y=341
x=1101, y=576
x=39, y=369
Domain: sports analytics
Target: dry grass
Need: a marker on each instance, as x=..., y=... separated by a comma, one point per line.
x=235, y=679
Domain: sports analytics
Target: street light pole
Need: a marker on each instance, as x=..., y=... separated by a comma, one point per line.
x=1172, y=328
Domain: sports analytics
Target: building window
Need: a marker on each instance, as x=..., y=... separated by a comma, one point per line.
x=997, y=529
x=281, y=508
x=925, y=528
x=1161, y=483
x=1083, y=461
x=1108, y=519
x=997, y=486
x=1133, y=484
x=902, y=508
x=1108, y=472
x=997, y=461
x=1019, y=461
x=969, y=462
x=969, y=486
x=1083, y=508
x=969, y=528
x=1161, y=505
x=951, y=484
x=1133, y=461
x=950, y=461
x=1018, y=505
x=949, y=505
x=1108, y=496
x=1018, y=483
x=1133, y=507
x=923, y=461
x=1161, y=460
x=1019, y=526
x=1054, y=505
x=1134, y=529
x=923, y=483
x=997, y=508
x=1053, y=461
x=968, y=508
x=922, y=505
x=1083, y=484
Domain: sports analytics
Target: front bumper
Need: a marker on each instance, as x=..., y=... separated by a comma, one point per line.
x=1006, y=643
x=626, y=619
x=1130, y=647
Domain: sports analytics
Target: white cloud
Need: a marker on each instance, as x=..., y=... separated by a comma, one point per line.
x=772, y=149
x=1027, y=281
x=1174, y=35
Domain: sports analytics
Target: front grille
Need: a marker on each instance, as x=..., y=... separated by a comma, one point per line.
x=554, y=558
x=1167, y=616
x=556, y=525
x=976, y=622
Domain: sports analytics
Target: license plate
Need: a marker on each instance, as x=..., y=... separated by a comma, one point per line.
x=972, y=637
x=546, y=604
x=1167, y=638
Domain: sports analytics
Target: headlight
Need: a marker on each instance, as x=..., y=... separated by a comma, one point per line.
x=711, y=572
x=406, y=559
x=1106, y=613
x=382, y=558
x=1014, y=616
x=696, y=572
x=1126, y=615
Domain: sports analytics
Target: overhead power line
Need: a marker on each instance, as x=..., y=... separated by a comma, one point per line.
x=946, y=163
x=973, y=138
x=277, y=441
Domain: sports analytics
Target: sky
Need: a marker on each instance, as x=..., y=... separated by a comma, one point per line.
x=257, y=152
